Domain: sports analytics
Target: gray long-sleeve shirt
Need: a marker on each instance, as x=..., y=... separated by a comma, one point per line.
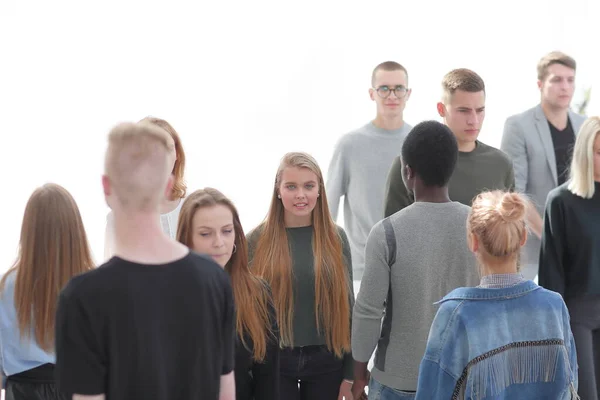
x=358, y=171
x=432, y=259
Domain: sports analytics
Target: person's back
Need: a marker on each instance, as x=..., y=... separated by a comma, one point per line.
x=147, y=333
x=156, y=321
x=419, y=254
x=507, y=338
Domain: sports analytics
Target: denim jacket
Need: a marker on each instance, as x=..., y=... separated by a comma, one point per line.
x=509, y=343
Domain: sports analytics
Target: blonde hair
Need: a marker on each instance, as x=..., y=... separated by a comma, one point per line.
x=137, y=164
x=581, y=180
x=497, y=219
x=250, y=292
x=53, y=248
x=272, y=262
x=179, y=187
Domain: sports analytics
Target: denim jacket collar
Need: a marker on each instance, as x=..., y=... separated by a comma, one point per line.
x=473, y=293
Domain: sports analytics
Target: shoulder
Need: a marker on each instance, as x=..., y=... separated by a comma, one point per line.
x=255, y=233
x=349, y=139
x=526, y=115
x=560, y=194
x=495, y=154
x=576, y=119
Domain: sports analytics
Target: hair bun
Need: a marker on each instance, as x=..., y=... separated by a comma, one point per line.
x=512, y=207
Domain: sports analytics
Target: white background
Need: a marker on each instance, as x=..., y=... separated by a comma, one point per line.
x=243, y=82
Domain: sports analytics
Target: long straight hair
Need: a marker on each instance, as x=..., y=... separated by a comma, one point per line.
x=250, y=292
x=272, y=261
x=53, y=248
x=581, y=180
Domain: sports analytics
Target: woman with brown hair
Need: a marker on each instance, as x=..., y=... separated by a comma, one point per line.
x=209, y=223
x=53, y=248
x=306, y=259
x=171, y=206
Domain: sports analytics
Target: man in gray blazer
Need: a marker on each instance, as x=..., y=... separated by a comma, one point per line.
x=540, y=142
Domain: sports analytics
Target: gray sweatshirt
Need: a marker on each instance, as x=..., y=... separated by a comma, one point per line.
x=358, y=171
x=432, y=259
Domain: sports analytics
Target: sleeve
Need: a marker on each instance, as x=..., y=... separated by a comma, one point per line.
x=337, y=179
x=447, y=345
x=228, y=329
x=513, y=144
x=348, y=365
x=369, y=306
x=397, y=195
x=80, y=350
x=109, y=237
x=551, y=262
x=266, y=374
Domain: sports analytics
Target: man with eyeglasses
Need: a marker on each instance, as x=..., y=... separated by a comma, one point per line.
x=362, y=159
x=479, y=167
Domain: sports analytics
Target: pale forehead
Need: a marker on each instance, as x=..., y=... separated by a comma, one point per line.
x=298, y=175
x=560, y=70
x=390, y=78
x=214, y=216
x=461, y=98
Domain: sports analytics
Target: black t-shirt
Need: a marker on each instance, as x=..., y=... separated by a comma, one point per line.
x=133, y=331
x=563, y=148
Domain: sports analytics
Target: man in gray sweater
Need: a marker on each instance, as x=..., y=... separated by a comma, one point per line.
x=413, y=259
x=362, y=158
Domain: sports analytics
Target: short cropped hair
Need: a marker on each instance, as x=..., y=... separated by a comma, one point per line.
x=431, y=151
x=554, y=57
x=461, y=79
x=137, y=164
x=387, y=66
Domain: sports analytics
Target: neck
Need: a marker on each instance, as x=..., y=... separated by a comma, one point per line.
x=556, y=116
x=466, y=147
x=431, y=194
x=139, y=237
x=389, y=122
x=294, y=221
x=494, y=266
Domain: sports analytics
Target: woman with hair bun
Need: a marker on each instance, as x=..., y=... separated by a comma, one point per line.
x=507, y=338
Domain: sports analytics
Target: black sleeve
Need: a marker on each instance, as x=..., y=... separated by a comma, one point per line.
x=266, y=374
x=552, y=268
x=80, y=351
x=397, y=196
x=228, y=329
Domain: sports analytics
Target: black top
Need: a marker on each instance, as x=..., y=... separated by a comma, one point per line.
x=134, y=331
x=258, y=380
x=570, y=253
x=563, y=149
x=305, y=332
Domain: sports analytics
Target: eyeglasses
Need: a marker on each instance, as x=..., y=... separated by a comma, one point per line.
x=385, y=91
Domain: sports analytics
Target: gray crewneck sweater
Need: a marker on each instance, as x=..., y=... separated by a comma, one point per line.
x=358, y=171
x=432, y=259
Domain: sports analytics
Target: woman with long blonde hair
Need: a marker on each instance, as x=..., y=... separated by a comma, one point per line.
x=53, y=248
x=210, y=224
x=570, y=254
x=171, y=206
x=306, y=260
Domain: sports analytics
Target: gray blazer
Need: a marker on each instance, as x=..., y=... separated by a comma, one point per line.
x=528, y=142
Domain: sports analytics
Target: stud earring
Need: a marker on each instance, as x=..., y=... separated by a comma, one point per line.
x=278, y=196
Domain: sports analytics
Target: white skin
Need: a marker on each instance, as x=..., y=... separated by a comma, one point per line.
x=390, y=110
x=556, y=91
x=464, y=112
x=493, y=265
x=299, y=193
x=213, y=233
x=169, y=204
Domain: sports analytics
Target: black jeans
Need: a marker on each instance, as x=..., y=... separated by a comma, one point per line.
x=309, y=373
x=585, y=325
x=35, y=384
